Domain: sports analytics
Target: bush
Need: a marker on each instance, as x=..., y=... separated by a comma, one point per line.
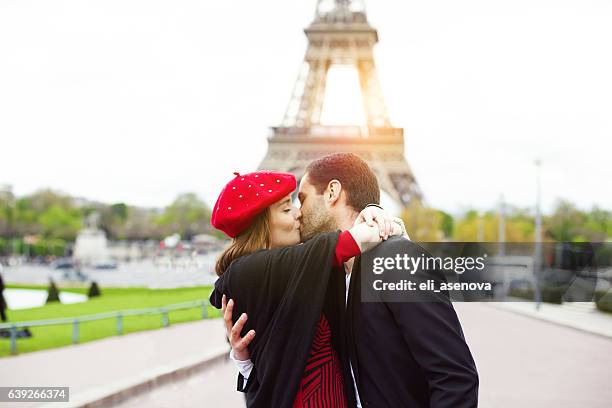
x=53, y=295
x=16, y=247
x=604, y=303
x=47, y=246
x=57, y=247
x=40, y=248
x=550, y=294
x=94, y=290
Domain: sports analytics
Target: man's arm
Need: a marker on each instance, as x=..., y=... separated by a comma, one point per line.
x=434, y=335
x=431, y=328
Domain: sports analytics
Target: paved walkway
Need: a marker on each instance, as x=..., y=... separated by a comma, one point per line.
x=580, y=315
x=95, y=368
x=211, y=388
x=522, y=361
x=527, y=362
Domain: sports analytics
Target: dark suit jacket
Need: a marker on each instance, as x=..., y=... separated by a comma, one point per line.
x=408, y=354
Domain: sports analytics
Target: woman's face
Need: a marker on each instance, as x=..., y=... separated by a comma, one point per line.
x=284, y=223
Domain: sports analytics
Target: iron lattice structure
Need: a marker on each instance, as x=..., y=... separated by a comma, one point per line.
x=341, y=34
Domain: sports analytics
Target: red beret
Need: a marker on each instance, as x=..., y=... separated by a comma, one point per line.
x=248, y=195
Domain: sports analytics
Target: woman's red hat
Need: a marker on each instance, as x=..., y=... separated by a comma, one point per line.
x=247, y=195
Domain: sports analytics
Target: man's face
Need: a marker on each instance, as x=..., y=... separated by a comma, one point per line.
x=316, y=216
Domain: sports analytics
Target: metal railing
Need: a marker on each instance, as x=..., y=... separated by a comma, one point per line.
x=119, y=315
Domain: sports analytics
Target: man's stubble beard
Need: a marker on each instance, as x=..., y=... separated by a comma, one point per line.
x=317, y=220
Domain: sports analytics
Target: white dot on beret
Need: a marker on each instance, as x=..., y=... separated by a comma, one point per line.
x=261, y=184
x=242, y=179
x=233, y=188
x=229, y=208
x=269, y=191
x=240, y=196
x=257, y=194
x=256, y=175
x=249, y=185
x=277, y=180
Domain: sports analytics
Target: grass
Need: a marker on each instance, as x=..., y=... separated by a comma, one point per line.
x=112, y=299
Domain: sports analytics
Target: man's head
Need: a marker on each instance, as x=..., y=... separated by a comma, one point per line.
x=333, y=191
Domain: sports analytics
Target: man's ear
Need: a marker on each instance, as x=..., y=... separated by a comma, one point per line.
x=332, y=192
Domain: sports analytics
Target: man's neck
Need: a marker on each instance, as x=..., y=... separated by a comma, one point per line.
x=346, y=220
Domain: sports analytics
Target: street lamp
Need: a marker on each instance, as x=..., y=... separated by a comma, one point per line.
x=480, y=232
x=501, y=235
x=538, y=237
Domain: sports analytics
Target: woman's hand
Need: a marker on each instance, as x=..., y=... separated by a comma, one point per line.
x=374, y=216
x=364, y=234
x=238, y=344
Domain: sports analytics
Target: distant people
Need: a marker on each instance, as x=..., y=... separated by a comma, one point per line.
x=3, y=305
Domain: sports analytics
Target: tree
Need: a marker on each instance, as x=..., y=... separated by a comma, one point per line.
x=60, y=222
x=187, y=215
x=519, y=226
x=447, y=224
x=422, y=223
x=565, y=221
x=114, y=220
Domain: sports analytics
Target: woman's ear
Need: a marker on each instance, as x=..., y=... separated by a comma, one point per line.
x=332, y=192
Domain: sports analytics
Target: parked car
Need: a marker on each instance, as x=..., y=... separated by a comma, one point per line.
x=63, y=263
x=109, y=264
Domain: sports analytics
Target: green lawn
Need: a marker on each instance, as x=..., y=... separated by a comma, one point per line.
x=112, y=299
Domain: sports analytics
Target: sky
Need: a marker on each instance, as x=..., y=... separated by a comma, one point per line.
x=139, y=100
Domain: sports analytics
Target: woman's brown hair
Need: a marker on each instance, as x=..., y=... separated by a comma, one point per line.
x=254, y=238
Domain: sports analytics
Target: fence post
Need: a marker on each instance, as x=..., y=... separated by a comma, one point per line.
x=75, y=331
x=204, y=310
x=119, y=324
x=14, y=340
x=165, y=320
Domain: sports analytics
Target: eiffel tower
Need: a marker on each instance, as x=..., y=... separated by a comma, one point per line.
x=341, y=34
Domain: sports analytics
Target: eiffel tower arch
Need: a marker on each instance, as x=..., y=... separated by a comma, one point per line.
x=341, y=34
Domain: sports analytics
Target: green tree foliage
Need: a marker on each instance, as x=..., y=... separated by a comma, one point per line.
x=423, y=224
x=187, y=215
x=447, y=224
x=54, y=219
x=567, y=223
x=519, y=226
x=114, y=220
x=60, y=222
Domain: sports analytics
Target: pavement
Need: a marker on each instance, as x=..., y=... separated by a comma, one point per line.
x=213, y=387
x=522, y=361
x=579, y=315
x=529, y=362
x=118, y=366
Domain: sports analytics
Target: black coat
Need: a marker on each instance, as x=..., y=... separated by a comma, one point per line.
x=284, y=291
x=408, y=354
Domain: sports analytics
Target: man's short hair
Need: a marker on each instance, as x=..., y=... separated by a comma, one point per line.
x=356, y=177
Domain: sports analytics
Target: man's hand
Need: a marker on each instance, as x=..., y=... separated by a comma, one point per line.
x=238, y=344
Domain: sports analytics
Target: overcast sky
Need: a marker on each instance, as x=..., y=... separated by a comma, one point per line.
x=139, y=100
